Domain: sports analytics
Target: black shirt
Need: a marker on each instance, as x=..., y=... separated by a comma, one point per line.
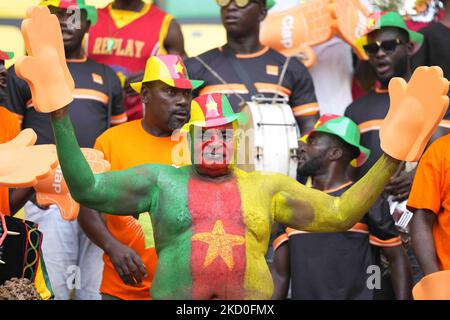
x=435, y=50
x=264, y=68
x=97, y=88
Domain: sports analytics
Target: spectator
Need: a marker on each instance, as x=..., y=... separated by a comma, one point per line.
x=337, y=265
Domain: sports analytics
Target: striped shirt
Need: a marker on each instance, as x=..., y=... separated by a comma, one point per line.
x=97, y=88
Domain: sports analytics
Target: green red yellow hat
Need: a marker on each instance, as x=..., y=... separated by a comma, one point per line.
x=81, y=4
x=169, y=69
x=5, y=55
x=212, y=110
x=345, y=129
x=379, y=20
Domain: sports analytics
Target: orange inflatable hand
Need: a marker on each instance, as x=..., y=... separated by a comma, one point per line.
x=296, y=30
x=415, y=111
x=54, y=190
x=434, y=286
x=351, y=21
x=45, y=69
x=22, y=164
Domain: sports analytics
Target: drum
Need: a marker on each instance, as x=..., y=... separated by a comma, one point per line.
x=268, y=142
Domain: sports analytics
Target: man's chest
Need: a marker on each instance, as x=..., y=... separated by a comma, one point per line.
x=221, y=210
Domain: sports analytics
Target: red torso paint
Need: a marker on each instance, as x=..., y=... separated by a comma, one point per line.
x=218, y=255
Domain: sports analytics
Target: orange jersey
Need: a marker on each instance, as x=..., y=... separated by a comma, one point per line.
x=9, y=129
x=126, y=146
x=431, y=190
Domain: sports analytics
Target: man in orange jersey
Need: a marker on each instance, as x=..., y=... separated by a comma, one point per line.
x=128, y=32
x=130, y=257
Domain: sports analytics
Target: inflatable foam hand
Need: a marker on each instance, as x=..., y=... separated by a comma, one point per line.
x=54, y=190
x=295, y=30
x=351, y=20
x=415, y=111
x=22, y=164
x=45, y=68
x=433, y=287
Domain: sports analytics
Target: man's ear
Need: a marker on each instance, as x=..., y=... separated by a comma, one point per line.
x=145, y=95
x=262, y=14
x=335, y=154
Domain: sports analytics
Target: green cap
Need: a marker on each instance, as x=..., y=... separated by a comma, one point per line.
x=345, y=129
x=380, y=20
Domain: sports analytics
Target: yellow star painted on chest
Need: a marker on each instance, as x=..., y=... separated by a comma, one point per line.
x=179, y=68
x=220, y=244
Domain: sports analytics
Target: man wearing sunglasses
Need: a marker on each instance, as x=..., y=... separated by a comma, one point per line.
x=261, y=66
x=389, y=45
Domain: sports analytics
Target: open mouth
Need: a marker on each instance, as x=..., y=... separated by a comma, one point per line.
x=383, y=67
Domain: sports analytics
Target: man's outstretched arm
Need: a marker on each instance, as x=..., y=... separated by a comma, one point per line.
x=118, y=192
x=308, y=209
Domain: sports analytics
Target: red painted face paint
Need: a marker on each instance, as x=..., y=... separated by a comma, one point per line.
x=213, y=149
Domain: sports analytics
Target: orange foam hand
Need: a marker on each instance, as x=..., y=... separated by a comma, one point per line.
x=296, y=30
x=54, y=190
x=433, y=287
x=22, y=164
x=415, y=111
x=351, y=20
x=45, y=69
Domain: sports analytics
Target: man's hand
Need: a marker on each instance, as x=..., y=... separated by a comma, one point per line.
x=127, y=263
x=54, y=190
x=22, y=164
x=399, y=185
x=45, y=69
x=415, y=111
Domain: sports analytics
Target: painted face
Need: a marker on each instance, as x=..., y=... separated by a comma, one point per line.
x=312, y=154
x=391, y=58
x=72, y=28
x=242, y=21
x=212, y=149
x=168, y=107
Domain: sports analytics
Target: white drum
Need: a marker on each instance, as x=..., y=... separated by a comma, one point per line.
x=268, y=141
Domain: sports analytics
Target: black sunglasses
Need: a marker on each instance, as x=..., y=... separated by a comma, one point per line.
x=388, y=46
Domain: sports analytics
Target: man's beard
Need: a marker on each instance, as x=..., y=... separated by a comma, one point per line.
x=401, y=69
x=175, y=124
x=311, y=167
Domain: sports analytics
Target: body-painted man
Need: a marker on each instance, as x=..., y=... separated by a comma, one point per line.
x=211, y=220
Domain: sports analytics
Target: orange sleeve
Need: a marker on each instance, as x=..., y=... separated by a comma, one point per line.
x=9, y=129
x=393, y=242
x=4, y=201
x=426, y=188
